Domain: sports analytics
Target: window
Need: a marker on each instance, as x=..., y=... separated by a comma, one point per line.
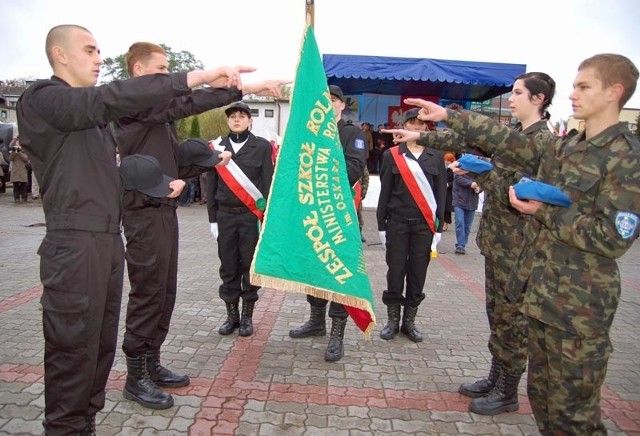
x=268, y=113
x=255, y=113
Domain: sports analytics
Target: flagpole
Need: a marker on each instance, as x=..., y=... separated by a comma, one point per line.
x=310, y=12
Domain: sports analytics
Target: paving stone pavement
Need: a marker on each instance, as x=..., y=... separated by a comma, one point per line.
x=270, y=384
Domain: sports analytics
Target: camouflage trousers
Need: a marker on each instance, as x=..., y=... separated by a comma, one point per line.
x=566, y=372
x=508, y=326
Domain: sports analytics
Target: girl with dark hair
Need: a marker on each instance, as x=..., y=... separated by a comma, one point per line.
x=500, y=239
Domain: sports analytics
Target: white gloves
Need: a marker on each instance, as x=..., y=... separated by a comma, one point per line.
x=434, y=244
x=214, y=230
x=436, y=239
x=383, y=238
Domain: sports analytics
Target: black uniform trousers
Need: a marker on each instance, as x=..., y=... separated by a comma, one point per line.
x=81, y=273
x=237, y=239
x=408, y=253
x=152, y=264
x=336, y=310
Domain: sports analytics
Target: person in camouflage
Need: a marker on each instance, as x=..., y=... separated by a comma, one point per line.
x=500, y=239
x=568, y=264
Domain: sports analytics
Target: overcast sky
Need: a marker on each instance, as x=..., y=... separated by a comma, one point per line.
x=547, y=35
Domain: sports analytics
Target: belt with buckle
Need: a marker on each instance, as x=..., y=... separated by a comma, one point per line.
x=233, y=209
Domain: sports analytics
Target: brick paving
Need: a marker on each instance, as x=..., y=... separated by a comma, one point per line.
x=270, y=384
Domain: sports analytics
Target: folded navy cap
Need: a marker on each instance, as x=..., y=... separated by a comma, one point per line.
x=141, y=172
x=196, y=151
x=473, y=164
x=527, y=189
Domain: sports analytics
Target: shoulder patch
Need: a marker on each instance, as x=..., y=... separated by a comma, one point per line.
x=626, y=224
x=359, y=144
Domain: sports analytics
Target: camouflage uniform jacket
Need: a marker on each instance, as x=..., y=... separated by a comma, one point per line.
x=500, y=236
x=568, y=262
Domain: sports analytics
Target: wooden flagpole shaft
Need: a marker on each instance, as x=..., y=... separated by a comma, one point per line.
x=309, y=12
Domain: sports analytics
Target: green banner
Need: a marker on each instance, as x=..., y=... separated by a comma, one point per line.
x=310, y=239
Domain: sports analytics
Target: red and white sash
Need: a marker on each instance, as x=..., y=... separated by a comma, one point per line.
x=242, y=187
x=357, y=194
x=418, y=186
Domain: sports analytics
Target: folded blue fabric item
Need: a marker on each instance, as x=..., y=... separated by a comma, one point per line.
x=527, y=189
x=471, y=163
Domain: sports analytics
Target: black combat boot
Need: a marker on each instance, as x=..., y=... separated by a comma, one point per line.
x=409, y=324
x=90, y=426
x=316, y=326
x=161, y=376
x=393, y=325
x=233, y=320
x=502, y=398
x=140, y=388
x=335, y=347
x=482, y=387
x=246, y=323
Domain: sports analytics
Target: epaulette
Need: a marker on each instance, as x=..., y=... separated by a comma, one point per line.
x=632, y=140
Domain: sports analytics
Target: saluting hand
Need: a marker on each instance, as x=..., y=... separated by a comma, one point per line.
x=401, y=135
x=429, y=111
x=227, y=77
x=265, y=88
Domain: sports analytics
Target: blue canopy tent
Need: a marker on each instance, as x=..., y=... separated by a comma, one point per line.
x=378, y=82
x=448, y=79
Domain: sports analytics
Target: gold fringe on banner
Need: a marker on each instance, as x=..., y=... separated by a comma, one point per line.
x=325, y=294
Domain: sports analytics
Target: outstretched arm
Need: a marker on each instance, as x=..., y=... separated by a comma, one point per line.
x=265, y=88
x=221, y=77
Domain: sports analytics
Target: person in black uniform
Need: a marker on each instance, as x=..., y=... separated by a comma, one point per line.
x=404, y=230
x=234, y=224
x=64, y=131
x=353, y=146
x=151, y=227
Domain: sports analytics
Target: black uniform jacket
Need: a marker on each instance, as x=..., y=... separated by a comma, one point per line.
x=395, y=197
x=65, y=133
x=254, y=159
x=153, y=132
x=354, y=147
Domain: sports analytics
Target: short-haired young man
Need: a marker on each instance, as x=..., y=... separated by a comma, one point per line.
x=151, y=227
